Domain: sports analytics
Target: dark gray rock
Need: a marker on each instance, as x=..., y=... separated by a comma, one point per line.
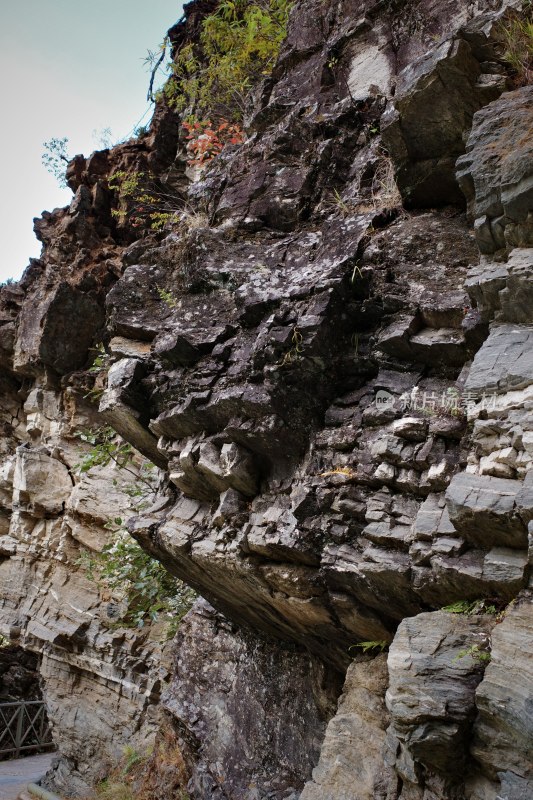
x=58, y=330
x=377, y=578
x=516, y=299
x=134, y=306
x=503, y=732
x=281, y=356
x=123, y=407
x=351, y=757
x=483, y=510
x=445, y=346
x=496, y=173
x=504, y=363
x=436, y=98
x=433, y=519
x=205, y=470
x=246, y=710
x=484, y=283
x=431, y=696
x=19, y=675
x=503, y=291
x=505, y=568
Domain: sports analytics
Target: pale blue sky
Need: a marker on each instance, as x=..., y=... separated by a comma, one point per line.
x=67, y=68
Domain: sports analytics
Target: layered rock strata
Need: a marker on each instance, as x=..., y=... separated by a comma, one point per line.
x=337, y=392
x=101, y=683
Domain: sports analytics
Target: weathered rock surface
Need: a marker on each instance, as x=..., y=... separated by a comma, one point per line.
x=496, y=172
x=338, y=396
x=435, y=100
x=503, y=730
x=351, y=759
x=503, y=290
x=483, y=510
x=252, y=714
x=504, y=363
x=49, y=607
x=431, y=697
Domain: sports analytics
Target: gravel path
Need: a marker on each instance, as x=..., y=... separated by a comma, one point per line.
x=15, y=775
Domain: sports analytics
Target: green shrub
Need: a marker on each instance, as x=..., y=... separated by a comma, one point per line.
x=169, y=298
x=149, y=592
x=239, y=45
x=142, y=201
x=106, y=447
x=123, y=568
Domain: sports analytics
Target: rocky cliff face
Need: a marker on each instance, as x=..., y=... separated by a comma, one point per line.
x=337, y=393
x=19, y=675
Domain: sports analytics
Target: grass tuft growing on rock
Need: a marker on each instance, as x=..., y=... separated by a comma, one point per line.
x=165, y=773
x=160, y=772
x=517, y=36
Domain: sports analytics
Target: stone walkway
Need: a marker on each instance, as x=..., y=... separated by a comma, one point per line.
x=15, y=775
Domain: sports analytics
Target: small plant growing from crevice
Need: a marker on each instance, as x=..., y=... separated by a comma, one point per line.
x=296, y=350
x=356, y=274
x=167, y=297
x=98, y=371
x=477, y=652
x=205, y=140
x=346, y=471
x=146, y=203
x=132, y=758
x=143, y=202
x=105, y=447
x=376, y=646
x=385, y=193
x=378, y=192
x=471, y=607
x=122, y=568
x=101, y=359
x=346, y=207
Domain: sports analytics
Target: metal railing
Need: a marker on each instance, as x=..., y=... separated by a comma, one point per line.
x=24, y=728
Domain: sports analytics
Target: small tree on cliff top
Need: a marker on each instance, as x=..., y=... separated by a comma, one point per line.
x=55, y=159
